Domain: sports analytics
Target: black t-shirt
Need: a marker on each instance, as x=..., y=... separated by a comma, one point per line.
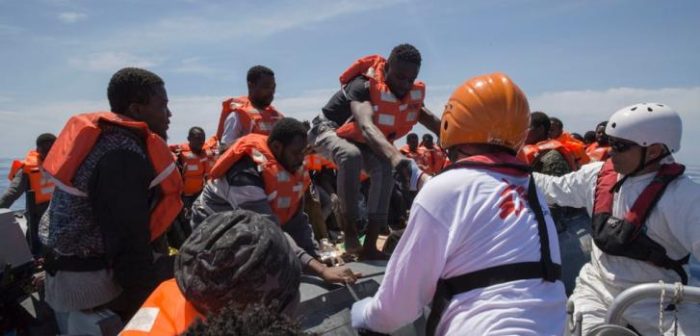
x=338, y=107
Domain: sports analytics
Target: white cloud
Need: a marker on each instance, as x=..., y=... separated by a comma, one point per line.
x=193, y=66
x=71, y=17
x=218, y=26
x=111, y=61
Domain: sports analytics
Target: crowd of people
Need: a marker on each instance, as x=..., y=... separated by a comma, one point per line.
x=212, y=236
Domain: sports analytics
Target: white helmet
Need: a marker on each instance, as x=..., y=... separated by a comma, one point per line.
x=647, y=124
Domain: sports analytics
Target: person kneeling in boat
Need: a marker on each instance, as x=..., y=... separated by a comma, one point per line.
x=646, y=219
x=478, y=243
x=232, y=260
x=266, y=175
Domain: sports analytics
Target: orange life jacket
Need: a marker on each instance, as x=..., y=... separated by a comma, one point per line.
x=284, y=190
x=434, y=159
x=598, y=153
x=40, y=184
x=165, y=312
x=252, y=119
x=530, y=153
x=575, y=147
x=195, y=168
x=316, y=162
x=394, y=117
x=415, y=156
x=78, y=138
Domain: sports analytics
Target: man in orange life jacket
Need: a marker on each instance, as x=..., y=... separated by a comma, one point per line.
x=412, y=150
x=600, y=149
x=576, y=147
x=233, y=259
x=646, y=219
x=545, y=155
x=27, y=176
x=433, y=156
x=253, y=113
x=379, y=101
x=266, y=175
x=117, y=190
x=194, y=162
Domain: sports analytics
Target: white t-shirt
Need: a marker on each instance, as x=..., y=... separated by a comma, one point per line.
x=233, y=129
x=456, y=227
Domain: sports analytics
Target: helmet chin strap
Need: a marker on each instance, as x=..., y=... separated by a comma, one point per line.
x=640, y=166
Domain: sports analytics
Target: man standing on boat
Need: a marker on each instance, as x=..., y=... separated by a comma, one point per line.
x=646, y=219
x=28, y=176
x=117, y=191
x=379, y=102
x=253, y=113
x=478, y=244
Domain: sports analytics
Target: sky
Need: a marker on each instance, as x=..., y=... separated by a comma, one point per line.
x=577, y=60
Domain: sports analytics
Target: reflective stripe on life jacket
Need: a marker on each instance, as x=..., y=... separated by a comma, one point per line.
x=533, y=153
x=394, y=117
x=597, y=153
x=626, y=237
x=78, y=138
x=39, y=183
x=252, y=119
x=284, y=189
x=165, y=312
x=544, y=269
x=195, y=168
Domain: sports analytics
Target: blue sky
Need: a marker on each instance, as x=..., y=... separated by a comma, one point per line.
x=579, y=60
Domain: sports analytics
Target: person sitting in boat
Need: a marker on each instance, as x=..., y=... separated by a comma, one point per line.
x=434, y=157
x=599, y=150
x=27, y=176
x=646, y=219
x=545, y=155
x=253, y=113
x=195, y=162
x=478, y=243
x=232, y=260
x=117, y=192
x=575, y=145
x=266, y=175
x=412, y=150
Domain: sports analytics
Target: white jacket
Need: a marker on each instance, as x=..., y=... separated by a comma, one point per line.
x=455, y=227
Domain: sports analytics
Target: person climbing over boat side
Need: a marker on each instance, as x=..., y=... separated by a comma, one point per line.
x=27, y=176
x=646, y=219
x=379, y=101
x=266, y=175
x=253, y=113
x=478, y=243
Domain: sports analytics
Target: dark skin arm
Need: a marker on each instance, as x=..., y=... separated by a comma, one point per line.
x=429, y=120
x=362, y=114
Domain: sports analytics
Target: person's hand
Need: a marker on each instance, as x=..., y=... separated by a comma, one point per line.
x=339, y=274
x=408, y=173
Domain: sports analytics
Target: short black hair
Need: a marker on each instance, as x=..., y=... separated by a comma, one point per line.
x=256, y=72
x=412, y=135
x=285, y=130
x=589, y=136
x=45, y=138
x=131, y=85
x=405, y=53
x=427, y=136
x=195, y=129
x=554, y=120
x=256, y=319
x=538, y=119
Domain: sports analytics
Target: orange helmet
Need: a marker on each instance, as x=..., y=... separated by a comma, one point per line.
x=488, y=109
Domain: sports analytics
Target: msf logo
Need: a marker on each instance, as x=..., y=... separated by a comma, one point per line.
x=512, y=200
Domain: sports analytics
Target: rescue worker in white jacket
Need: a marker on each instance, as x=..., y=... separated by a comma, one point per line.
x=642, y=138
x=480, y=243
